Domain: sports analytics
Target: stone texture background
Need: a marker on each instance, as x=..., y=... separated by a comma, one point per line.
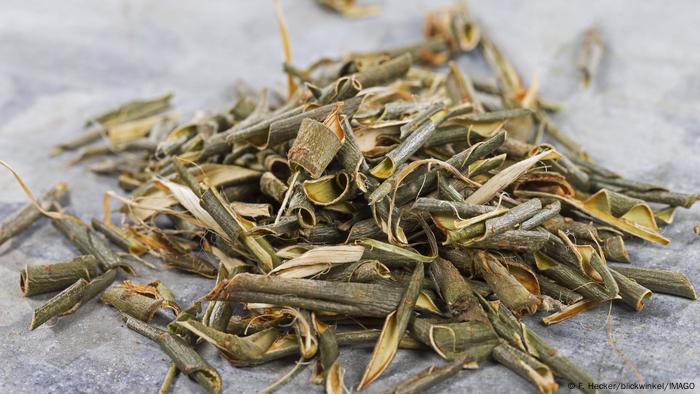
x=64, y=61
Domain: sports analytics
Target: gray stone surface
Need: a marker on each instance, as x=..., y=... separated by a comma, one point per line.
x=63, y=61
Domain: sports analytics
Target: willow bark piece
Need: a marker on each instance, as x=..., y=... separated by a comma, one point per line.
x=572, y=173
x=551, y=128
x=614, y=249
x=425, y=181
x=256, y=132
x=381, y=74
x=366, y=271
x=448, y=134
x=350, y=157
x=123, y=242
x=420, y=118
x=579, y=230
x=663, y=197
x=591, y=258
x=511, y=218
x=169, y=379
x=404, y=151
x=659, y=281
x=357, y=299
x=232, y=225
x=219, y=313
x=514, y=240
x=569, y=312
x=60, y=304
x=366, y=228
x=304, y=210
x=28, y=214
x=133, y=110
x=455, y=291
x=328, y=190
x=188, y=361
x=93, y=133
x=190, y=263
x=132, y=303
x=590, y=54
x=548, y=212
x=428, y=378
x=459, y=209
x=286, y=346
x=315, y=146
x=272, y=186
x=507, y=176
x=558, y=292
x=508, y=290
x=546, y=181
x=328, y=366
x=39, y=279
x=448, y=191
x=524, y=338
x=472, y=340
x=240, y=351
x=571, y=278
x=633, y=294
x=242, y=326
x=388, y=253
x=87, y=241
x=285, y=130
x=527, y=367
x=318, y=260
x=394, y=327
x=186, y=177
x=70, y=299
x=639, y=221
x=251, y=209
x=324, y=235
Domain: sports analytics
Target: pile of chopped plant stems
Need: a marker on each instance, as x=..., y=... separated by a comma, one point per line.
x=382, y=202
